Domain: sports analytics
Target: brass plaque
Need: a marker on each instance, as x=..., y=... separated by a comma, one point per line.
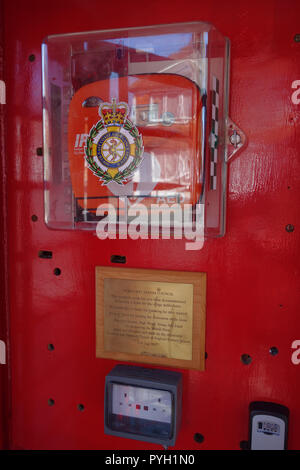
x=148, y=318
x=151, y=316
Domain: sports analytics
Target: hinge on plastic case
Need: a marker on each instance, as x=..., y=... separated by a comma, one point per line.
x=235, y=139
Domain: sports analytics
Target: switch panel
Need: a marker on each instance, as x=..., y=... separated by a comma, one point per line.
x=143, y=404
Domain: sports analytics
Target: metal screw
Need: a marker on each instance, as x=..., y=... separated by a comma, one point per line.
x=235, y=139
x=297, y=38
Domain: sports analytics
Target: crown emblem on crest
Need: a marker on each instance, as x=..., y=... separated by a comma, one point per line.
x=114, y=148
x=113, y=113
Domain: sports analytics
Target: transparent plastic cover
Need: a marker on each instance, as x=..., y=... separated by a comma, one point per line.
x=134, y=119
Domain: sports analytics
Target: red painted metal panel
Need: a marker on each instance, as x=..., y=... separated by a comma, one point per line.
x=4, y=393
x=252, y=273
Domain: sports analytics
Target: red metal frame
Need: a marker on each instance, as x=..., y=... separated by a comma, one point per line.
x=252, y=276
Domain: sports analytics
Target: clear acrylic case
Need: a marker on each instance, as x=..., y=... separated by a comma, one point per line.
x=135, y=117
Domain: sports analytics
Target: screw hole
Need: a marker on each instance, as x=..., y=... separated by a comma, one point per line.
x=246, y=359
x=273, y=351
x=244, y=445
x=34, y=218
x=289, y=228
x=297, y=38
x=31, y=58
x=199, y=438
x=57, y=271
x=51, y=402
x=39, y=151
x=50, y=347
x=80, y=407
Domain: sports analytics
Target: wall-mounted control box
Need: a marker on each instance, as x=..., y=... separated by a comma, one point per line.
x=268, y=426
x=143, y=404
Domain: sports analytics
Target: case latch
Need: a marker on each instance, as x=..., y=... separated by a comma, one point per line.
x=235, y=139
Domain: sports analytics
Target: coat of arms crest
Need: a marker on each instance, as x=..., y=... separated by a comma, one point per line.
x=114, y=147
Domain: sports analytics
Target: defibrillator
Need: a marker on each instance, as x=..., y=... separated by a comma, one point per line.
x=143, y=143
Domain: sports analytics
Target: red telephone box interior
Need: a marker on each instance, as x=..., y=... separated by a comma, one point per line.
x=52, y=386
